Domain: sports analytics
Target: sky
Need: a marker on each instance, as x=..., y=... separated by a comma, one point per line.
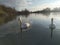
x=31, y=5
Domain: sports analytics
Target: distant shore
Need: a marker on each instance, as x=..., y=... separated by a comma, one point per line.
x=8, y=13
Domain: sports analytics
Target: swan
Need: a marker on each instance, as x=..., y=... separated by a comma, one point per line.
x=52, y=25
x=23, y=25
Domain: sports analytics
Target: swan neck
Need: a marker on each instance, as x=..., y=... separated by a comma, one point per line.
x=52, y=21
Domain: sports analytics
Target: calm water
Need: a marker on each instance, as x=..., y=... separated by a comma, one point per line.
x=38, y=34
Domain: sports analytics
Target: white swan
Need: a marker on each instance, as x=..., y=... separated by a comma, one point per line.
x=52, y=25
x=23, y=25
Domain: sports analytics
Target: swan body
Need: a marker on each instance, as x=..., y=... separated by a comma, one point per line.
x=52, y=26
x=23, y=25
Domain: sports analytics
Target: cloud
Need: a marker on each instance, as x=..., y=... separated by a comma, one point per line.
x=32, y=5
x=18, y=4
x=45, y=5
x=10, y=3
x=23, y=4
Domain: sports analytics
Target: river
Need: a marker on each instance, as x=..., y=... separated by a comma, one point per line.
x=38, y=34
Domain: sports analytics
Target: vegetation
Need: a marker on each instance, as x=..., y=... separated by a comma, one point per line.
x=6, y=14
x=56, y=10
x=47, y=10
x=8, y=11
x=24, y=12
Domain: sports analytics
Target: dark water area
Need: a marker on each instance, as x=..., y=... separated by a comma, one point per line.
x=38, y=34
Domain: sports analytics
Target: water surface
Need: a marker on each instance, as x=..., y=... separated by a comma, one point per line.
x=38, y=34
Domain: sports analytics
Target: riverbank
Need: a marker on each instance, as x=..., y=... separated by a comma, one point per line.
x=6, y=14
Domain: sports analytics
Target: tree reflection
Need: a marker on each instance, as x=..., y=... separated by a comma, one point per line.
x=25, y=15
x=4, y=20
x=46, y=14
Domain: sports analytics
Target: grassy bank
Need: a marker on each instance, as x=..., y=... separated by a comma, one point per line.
x=6, y=14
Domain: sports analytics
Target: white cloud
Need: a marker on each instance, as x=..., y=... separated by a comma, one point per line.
x=22, y=4
x=29, y=4
x=45, y=5
x=18, y=4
